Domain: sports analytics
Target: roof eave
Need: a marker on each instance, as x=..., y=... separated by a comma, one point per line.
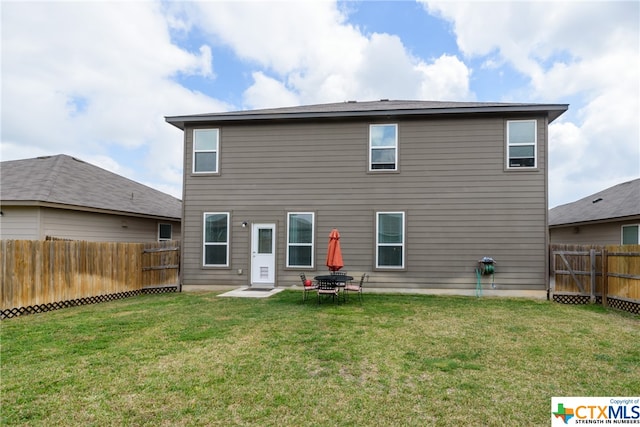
x=553, y=111
x=597, y=221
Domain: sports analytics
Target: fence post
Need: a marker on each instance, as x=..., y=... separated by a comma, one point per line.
x=592, y=292
x=605, y=277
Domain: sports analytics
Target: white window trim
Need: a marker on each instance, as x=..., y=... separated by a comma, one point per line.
x=313, y=239
x=371, y=148
x=535, y=146
x=204, y=236
x=216, y=150
x=160, y=239
x=403, y=244
x=622, y=232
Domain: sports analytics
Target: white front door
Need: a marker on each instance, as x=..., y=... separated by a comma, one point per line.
x=263, y=255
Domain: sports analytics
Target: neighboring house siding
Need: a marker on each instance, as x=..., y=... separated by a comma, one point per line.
x=459, y=200
x=20, y=223
x=609, y=233
x=99, y=227
x=38, y=223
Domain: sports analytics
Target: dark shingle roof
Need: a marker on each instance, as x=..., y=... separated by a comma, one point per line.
x=64, y=180
x=371, y=109
x=618, y=202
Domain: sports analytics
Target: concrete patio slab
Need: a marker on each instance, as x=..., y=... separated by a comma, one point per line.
x=248, y=292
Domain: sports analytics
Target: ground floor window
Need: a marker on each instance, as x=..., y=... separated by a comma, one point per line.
x=630, y=234
x=300, y=244
x=390, y=240
x=164, y=232
x=216, y=239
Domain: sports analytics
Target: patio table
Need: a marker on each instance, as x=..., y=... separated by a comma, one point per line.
x=337, y=280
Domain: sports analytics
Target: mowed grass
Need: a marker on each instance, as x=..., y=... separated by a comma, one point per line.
x=195, y=359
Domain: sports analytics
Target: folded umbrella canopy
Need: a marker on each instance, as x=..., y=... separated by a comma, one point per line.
x=334, y=253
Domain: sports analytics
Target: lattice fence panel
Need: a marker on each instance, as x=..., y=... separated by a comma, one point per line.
x=571, y=299
x=629, y=306
x=160, y=290
x=42, y=308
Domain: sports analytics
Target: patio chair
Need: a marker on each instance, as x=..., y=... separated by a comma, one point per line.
x=340, y=283
x=352, y=287
x=338, y=275
x=327, y=287
x=307, y=286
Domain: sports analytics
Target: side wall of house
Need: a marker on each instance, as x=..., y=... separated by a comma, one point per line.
x=460, y=201
x=99, y=227
x=593, y=234
x=20, y=223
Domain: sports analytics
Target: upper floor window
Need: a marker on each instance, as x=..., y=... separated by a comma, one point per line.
x=300, y=239
x=216, y=239
x=521, y=144
x=630, y=234
x=205, y=150
x=164, y=232
x=390, y=240
x=383, y=147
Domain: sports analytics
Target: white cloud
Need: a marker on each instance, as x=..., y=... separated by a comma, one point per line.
x=281, y=36
x=446, y=78
x=315, y=56
x=586, y=51
x=85, y=79
x=265, y=91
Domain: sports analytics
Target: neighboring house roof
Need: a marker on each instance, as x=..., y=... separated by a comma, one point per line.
x=618, y=202
x=66, y=182
x=382, y=108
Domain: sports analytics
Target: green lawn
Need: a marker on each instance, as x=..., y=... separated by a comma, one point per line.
x=196, y=359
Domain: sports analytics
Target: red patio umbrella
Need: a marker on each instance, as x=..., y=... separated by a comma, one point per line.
x=334, y=253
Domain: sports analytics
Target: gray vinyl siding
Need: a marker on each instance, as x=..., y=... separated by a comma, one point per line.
x=460, y=201
x=98, y=227
x=609, y=233
x=20, y=223
x=38, y=223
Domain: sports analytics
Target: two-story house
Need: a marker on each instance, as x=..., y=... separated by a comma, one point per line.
x=420, y=191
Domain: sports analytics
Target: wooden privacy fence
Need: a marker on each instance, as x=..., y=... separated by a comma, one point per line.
x=161, y=265
x=608, y=275
x=40, y=276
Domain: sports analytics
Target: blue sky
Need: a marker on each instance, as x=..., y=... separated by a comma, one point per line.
x=95, y=79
